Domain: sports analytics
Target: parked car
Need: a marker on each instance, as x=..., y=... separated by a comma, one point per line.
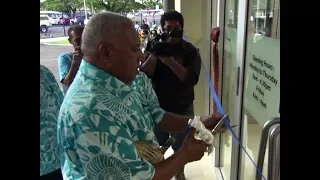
x=44, y=23
x=53, y=16
x=78, y=20
x=159, y=13
x=130, y=16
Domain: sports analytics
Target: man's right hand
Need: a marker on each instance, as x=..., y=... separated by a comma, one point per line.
x=77, y=57
x=76, y=60
x=192, y=148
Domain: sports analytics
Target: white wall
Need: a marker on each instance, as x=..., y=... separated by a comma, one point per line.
x=197, y=27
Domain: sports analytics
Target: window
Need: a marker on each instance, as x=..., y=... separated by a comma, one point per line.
x=44, y=18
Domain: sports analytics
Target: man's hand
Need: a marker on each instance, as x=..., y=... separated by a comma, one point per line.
x=77, y=57
x=76, y=60
x=193, y=149
x=211, y=121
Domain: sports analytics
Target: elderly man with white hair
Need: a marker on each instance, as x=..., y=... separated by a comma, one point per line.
x=110, y=106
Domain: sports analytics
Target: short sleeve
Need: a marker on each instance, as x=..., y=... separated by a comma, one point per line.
x=105, y=149
x=64, y=65
x=156, y=111
x=55, y=91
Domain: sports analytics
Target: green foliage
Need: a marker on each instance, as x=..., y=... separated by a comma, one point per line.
x=152, y=3
x=119, y=6
x=65, y=6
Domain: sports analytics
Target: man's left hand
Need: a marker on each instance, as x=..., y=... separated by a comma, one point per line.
x=211, y=121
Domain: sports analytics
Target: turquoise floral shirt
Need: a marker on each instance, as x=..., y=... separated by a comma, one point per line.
x=99, y=122
x=51, y=99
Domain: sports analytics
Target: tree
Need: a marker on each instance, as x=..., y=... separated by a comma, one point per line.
x=96, y=4
x=117, y=6
x=42, y=6
x=152, y=3
x=65, y=6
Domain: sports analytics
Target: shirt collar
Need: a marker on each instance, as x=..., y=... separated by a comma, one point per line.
x=102, y=78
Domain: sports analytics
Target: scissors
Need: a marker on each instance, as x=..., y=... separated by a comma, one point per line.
x=217, y=126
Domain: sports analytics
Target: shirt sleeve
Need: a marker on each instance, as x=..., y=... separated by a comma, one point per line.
x=106, y=149
x=64, y=66
x=55, y=91
x=156, y=111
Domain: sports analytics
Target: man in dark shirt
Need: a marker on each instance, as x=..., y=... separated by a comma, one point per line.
x=174, y=78
x=145, y=27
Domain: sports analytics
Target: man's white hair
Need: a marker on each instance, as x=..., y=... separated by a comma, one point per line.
x=102, y=27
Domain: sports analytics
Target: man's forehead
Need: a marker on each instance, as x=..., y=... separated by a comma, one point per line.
x=132, y=36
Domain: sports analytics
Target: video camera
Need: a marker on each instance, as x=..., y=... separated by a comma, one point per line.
x=159, y=46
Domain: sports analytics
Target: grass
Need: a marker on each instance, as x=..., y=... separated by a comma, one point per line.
x=60, y=42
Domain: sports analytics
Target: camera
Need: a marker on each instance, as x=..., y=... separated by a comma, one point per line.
x=159, y=46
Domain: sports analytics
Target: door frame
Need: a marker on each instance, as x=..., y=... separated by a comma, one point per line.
x=242, y=20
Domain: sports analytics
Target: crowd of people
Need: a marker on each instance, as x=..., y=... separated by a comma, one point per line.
x=115, y=97
x=145, y=28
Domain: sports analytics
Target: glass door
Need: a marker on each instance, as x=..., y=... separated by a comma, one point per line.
x=230, y=72
x=261, y=97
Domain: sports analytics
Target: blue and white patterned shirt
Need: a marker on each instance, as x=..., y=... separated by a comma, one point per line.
x=99, y=122
x=51, y=99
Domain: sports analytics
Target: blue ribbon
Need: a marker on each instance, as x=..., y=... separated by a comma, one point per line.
x=221, y=111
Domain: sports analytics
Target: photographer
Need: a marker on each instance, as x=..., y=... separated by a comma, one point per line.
x=174, y=77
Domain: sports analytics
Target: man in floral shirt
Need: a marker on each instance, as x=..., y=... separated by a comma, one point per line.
x=51, y=99
x=110, y=105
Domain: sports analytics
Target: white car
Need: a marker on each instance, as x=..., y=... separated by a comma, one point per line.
x=130, y=16
x=159, y=13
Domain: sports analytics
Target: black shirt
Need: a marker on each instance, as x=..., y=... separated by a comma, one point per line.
x=175, y=95
x=144, y=26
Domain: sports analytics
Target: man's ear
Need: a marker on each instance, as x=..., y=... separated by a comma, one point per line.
x=69, y=40
x=104, y=51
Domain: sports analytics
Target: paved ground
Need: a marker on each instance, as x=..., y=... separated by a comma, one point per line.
x=49, y=57
x=58, y=30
